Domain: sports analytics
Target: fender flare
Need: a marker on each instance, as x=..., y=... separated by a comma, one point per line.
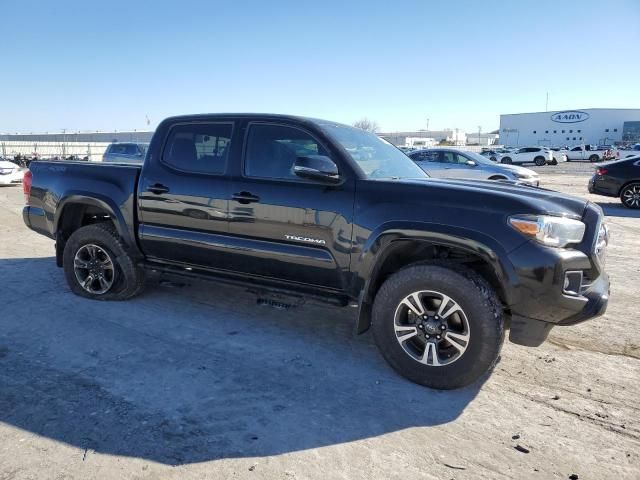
x=102, y=202
x=380, y=246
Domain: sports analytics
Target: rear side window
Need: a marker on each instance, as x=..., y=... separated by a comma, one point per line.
x=272, y=150
x=199, y=147
x=426, y=157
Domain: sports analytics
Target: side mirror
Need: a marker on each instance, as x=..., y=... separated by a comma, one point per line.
x=471, y=163
x=317, y=167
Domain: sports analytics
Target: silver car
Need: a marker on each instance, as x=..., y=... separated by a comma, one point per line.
x=454, y=163
x=125, y=152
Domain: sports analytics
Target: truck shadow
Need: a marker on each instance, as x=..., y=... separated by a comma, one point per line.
x=194, y=373
x=616, y=209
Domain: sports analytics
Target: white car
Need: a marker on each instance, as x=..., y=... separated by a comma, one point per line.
x=10, y=173
x=538, y=155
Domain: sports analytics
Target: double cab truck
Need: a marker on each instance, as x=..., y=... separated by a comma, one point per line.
x=438, y=269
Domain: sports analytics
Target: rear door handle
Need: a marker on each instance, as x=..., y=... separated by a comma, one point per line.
x=245, y=197
x=157, y=188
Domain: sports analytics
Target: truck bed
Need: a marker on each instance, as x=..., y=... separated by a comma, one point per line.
x=56, y=185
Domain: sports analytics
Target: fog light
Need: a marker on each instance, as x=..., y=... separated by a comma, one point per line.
x=572, y=282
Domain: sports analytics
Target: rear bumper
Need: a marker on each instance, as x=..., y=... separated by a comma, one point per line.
x=35, y=218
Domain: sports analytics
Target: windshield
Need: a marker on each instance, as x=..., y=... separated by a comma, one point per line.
x=376, y=157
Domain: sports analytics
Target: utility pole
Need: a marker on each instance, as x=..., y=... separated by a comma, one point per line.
x=546, y=105
x=427, y=124
x=479, y=132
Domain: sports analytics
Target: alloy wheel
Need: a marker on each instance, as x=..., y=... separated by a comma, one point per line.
x=631, y=196
x=94, y=269
x=431, y=328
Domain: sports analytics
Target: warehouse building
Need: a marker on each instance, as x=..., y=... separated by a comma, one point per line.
x=595, y=126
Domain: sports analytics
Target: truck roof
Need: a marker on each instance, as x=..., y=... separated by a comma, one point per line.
x=253, y=116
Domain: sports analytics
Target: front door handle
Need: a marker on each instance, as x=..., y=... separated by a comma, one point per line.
x=157, y=188
x=245, y=197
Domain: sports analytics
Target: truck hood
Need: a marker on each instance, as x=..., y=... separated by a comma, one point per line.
x=518, y=197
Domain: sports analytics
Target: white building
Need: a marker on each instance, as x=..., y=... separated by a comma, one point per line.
x=596, y=126
x=409, y=139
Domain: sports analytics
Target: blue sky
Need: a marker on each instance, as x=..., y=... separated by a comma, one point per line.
x=90, y=65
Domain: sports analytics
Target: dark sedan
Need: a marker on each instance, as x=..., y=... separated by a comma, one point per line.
x=619, y=179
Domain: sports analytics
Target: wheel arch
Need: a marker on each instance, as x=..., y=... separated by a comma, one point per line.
x=392, y=252
x=79, y=209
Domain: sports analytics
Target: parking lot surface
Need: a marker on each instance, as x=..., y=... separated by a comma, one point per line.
x=199, y=380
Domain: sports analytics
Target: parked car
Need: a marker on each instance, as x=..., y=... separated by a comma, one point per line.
x=493, y=154
x=330, y=212
x=589, y=153
x=538, y=155
x=125, y=152
x=10, y=173
x=619, y=179
x=454, y=163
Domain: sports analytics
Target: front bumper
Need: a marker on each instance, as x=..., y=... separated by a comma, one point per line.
x=12, y=178
x=541, y=297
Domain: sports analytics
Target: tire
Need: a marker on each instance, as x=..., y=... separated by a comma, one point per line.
x=506, y=160
x=630, y=195
x=539, y=161
x=497, y=177
x=594, y=158
x=554, y=161
x=480, y=308
x=124, y=277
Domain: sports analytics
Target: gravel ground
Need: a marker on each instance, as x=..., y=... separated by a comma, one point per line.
x=196, y=380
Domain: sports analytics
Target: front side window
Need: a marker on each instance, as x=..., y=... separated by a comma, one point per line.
x=198, y=147
x=273, y=149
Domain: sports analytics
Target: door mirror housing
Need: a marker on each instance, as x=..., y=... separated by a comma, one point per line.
x=471, y=163
x=317, y=167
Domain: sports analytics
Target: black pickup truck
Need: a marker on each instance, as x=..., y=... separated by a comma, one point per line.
x=437, y=268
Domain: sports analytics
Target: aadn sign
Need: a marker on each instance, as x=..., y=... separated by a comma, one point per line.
x=570, y=116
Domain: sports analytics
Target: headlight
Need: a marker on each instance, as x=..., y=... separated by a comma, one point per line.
x=548, y=230
x=523, y=175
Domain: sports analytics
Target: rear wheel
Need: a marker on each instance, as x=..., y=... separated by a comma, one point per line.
x=539, y=161
x=594, y=158
x=96, y=265
x=438, y=325
x=506, y=160
x=630, y=195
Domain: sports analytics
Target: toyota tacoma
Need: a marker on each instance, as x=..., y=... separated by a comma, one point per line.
x=438, y=269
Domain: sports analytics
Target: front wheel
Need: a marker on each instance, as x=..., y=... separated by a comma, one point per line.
x=594, y=158
x=438, y=325
x=554, y=161
x=630, y=196
x=506, y=160
x=97, y=265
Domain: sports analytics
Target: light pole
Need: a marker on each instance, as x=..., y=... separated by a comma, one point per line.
x=479, y=132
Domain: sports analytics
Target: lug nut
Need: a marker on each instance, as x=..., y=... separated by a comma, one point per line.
x=438, y=337
x=427, y=336
x=442, y=327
